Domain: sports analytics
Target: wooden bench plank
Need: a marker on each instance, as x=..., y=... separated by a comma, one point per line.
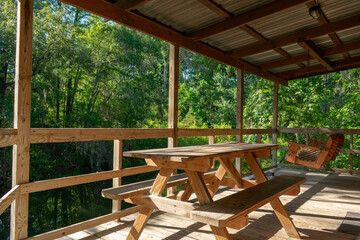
x=139, y=188
x=223, y=211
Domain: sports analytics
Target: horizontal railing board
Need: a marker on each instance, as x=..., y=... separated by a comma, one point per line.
x=187, y=132
x=82, y=179
x=337, y=170
x=8, y=198
x=318, y=130
x=56, y=135
x=7, y=140
x=58, y=233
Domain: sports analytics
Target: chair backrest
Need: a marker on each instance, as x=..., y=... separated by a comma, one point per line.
x=334, y=143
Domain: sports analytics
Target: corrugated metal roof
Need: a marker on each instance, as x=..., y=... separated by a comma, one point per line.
x=191, y=15
x=182, y=15
x=231, y=39
x=237, y=7
x=284, y=23
x=338, y=9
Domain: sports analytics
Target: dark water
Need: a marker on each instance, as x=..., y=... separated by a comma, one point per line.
x=53, y=209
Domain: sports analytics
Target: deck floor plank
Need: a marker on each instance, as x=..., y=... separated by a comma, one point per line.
x=317, y=212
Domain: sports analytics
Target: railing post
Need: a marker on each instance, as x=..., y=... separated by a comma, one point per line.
x=173, y=101
x=22, y=113
x=351, y=155
x=239, y=113
x=258, y=140
x=117, y=165
x=212, y=141
x=275, y=121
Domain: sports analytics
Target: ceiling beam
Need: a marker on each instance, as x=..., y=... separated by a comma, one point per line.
x=245, y=18
x=263, y=39
x=152, y=28
x=304, y=57
x=303, y=35
x=323, y=20
x=218, y=9
x=127, y=4
x=347, y=63
x=315, y=52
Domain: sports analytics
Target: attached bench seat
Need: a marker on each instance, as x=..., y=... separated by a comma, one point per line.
x=139, y=188
x=226, y=211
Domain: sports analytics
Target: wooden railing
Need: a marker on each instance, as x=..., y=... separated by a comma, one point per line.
x=8, y=137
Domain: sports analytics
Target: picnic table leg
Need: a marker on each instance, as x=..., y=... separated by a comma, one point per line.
x=197, y=182
x=216, y=180
x=145, y=212
x=276, y=204
x=227, y=163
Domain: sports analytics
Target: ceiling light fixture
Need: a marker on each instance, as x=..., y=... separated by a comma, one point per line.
x=315, y=11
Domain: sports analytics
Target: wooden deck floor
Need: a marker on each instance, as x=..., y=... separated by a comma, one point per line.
x=317, y=212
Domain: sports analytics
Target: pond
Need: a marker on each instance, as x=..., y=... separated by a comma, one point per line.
x=53, y=209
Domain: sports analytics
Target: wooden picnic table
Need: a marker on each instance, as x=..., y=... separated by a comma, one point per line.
x=196, y=160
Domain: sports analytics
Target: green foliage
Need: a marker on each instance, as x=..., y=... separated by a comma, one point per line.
x=88, y=73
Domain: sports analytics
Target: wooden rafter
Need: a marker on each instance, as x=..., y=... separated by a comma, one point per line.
x=218, y=9
x=304, y=57
x=127, y=4
x=263, y=39
x=347, y=63
x=313, y=50
x=307, y=34
x=152, y=28
x=245, y=18
x=333, y=36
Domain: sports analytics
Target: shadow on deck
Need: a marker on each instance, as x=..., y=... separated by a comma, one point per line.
x=318, y=212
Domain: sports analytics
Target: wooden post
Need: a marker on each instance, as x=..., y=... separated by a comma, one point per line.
x=258, y=140
x=351, y=155
x=117, y=164
x=212, y=141
x=239, y=112
x=275, y=121
x=22, y=113
x=173, y=100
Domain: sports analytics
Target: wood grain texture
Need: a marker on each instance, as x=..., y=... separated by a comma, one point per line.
x=216, y=180
x=117, y=165
x=81, y=179
x=198, y=184
x=8, y=198
x=55, y=135
x=227, y=163
x=202, y=165
x=145, y=212
x=220, y=212
x=164, y=204
x=173, y=94
x=192, y=153
x=139, y=188
x=58, y=233
x=276, y=204
x=22, y=117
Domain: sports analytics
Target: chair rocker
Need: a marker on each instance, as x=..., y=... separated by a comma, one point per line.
x=315, y=157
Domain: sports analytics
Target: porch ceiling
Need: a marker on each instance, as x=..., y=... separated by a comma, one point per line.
x=274, y=39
